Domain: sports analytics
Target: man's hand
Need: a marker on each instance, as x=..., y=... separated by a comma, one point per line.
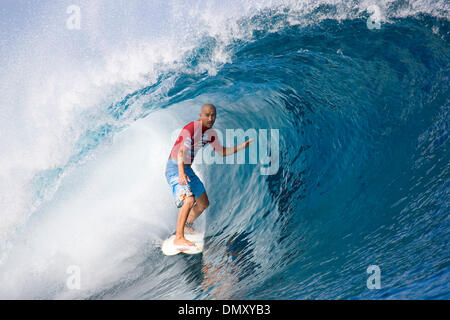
x=183, y=179
x=245, y=144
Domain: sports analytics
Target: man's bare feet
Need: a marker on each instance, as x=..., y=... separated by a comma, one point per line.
x=189, y=230
x=182, y=242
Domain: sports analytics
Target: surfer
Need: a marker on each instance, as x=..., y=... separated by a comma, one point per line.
x=187, y=189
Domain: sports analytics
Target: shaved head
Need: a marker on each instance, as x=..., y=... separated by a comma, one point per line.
x=208, y=115
x=207, y=107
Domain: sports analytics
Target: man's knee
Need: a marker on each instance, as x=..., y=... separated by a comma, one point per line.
x=189, y=201
x=202, y=205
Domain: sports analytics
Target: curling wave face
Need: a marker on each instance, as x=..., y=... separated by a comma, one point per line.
x=358, y=93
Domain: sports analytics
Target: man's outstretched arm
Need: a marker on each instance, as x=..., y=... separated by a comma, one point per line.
x=224, y=151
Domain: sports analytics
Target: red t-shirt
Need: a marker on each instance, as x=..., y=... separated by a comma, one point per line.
x=193, y=137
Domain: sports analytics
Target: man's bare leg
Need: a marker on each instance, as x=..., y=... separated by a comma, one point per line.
x=182, y=216
x=201, y=204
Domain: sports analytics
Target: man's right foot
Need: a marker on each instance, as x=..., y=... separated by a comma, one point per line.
x=183, y=242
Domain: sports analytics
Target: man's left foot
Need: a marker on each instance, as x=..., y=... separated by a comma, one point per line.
x=189, y=228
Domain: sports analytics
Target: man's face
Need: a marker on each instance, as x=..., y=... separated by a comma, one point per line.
x=208, y=117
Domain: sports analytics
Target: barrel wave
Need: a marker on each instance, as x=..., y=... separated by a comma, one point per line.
x=362, y=112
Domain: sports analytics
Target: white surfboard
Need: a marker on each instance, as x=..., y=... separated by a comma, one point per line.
x=169, y=249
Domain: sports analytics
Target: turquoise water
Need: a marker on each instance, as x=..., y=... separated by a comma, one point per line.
x=363, y=118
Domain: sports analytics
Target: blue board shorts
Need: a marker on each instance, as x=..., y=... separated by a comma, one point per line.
x=180, y=192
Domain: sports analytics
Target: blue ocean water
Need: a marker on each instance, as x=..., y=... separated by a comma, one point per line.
x=363, y=119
